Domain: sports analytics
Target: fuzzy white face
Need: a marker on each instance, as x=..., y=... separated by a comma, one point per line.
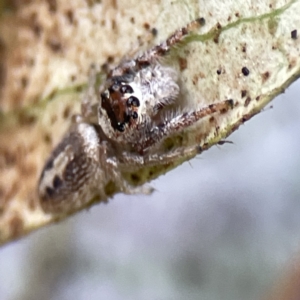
x=132, y=99
x=119, y=105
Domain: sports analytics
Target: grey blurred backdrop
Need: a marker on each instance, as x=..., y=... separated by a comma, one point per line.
x=221, y=226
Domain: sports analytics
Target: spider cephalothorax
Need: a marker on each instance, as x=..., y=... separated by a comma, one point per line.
x=132, y=98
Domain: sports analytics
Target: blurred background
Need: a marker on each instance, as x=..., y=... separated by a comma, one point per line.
x=225, y=225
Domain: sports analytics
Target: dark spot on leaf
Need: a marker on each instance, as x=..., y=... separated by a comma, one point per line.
x=54, y=45
x=70, y=16
x=113, y=25
x=245, y=71
x=244, y=48
x=66, y=112
x=246, y=118
x=24, y=82
x=47, y=138
x=230, y=103
x=78, y=89
x=243, y=93
x=265, y=76
x=294, y=34
x=52, y=5
x=182, y=63
x=110, y=59
x=201, y=21
x=247, y=101
x=27, y=119
x=37, y=29
x=154, y=31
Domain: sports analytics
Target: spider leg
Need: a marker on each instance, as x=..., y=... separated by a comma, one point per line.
x=180, y=122
x=164, y=47
x=131, y=161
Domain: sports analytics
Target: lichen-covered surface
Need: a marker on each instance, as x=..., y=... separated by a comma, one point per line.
x=246, y=51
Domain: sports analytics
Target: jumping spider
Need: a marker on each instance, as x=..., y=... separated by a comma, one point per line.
x=131, y=118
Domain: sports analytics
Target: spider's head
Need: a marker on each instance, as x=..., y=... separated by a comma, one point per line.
x=119, y=103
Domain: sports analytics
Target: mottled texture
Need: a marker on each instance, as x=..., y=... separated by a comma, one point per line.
x=130, y=119
x=47, y=50
x=73, y=172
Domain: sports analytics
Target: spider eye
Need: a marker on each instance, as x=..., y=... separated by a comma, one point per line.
x=114, y=87
x=134, y=115
x=126, y=89
x=105, y=95
x=133, y=101
x=121, y=126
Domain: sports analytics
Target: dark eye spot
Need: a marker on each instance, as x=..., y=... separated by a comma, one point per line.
x=126, y=118
x=126, y=89
x=121, y=127
x=133, y=101
x=105, y=95
x=129, y=101
x=134, y=115
x=114, y=87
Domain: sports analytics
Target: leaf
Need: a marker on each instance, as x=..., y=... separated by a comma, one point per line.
x=245, y=52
